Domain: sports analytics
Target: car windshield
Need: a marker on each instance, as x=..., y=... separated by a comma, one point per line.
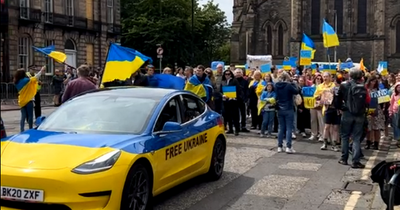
x=101, y=114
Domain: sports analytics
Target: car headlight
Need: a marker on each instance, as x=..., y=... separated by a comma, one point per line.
x=99, y=164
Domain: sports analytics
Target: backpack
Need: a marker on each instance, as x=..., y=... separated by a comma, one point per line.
x=356, y=99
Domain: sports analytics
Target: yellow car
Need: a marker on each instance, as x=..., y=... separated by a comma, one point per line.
x=112, y=149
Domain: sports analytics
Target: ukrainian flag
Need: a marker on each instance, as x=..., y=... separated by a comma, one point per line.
x=27, y=89
x=330, y=37
x=50, y=51
x=122, y=62
x=308, y=44
x=200, y=89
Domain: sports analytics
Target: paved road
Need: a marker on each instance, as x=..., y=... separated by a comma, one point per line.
x=256, y=177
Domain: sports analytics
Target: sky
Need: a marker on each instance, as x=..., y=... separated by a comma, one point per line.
x=224, y=5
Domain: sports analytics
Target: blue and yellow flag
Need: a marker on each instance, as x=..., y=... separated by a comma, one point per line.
x=308, y=44
x=308, y=97
x=331, y=39
x=122, y=62
x=229, y=91
x=200, y=89
x=169, y=81
x=50, y=51
x=27, y=89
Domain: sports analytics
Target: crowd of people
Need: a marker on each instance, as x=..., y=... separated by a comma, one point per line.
x=274, y=102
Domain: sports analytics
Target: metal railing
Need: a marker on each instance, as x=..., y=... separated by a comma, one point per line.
x=9, y=93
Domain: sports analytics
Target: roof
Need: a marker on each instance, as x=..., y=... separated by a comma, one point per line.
x=131, y=91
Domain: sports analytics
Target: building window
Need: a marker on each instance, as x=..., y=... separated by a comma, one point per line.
x=69, y=7
x=362, y=17
x=269, y=40
x=24, y=52
x=48, y=11
x=24, y=9
x=339, y=16
x=280, y=40
x=315, y=17
x=49, y=61
x=110, y=11
x=398, y=36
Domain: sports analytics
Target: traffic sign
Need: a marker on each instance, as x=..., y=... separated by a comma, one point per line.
x=160, y=51
x=159, y=56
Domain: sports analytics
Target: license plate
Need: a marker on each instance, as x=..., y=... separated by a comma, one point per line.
x=12, y=193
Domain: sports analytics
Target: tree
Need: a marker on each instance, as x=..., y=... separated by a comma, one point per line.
x=146, y=23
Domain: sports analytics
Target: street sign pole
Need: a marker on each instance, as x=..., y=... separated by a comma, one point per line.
x=160, y=52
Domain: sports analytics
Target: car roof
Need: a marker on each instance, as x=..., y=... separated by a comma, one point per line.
x=136, y=92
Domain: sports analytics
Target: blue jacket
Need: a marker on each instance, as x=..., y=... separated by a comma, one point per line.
x=284, y=95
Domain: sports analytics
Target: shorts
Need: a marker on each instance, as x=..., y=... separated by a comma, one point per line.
x=331, y=117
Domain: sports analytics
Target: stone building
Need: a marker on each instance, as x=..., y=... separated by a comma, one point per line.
x=368, y=29
x=82, y=29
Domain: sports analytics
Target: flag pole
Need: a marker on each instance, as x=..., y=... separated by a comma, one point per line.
x=104, y=66
x=335, y=52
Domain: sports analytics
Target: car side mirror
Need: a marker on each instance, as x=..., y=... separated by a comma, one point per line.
x=170, y=127
x=40, y=120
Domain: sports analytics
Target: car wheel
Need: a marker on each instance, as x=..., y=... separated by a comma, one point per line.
x=217, y=160
x=137, y=191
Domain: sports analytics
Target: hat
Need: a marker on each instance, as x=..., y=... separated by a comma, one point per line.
x=150, y=66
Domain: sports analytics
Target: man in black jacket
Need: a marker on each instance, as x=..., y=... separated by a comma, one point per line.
x=242, y=100
x=351, y=124
x=138, y=79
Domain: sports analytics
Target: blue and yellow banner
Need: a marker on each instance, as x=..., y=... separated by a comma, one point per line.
x=229, y=91
x=266, y=68
x=378, y=97
x=122, y=62
x=329, y=68
x=169, y=81
x=287, y=65
x=305, y=57
x=383, y=68
x=50, y=51
x=308, y=97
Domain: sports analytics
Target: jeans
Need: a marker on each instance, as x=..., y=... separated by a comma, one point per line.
x=351, y=126
x=294, y=121
x=285, y=118
x=268, y=120
x=394, y=125
x=26, y=114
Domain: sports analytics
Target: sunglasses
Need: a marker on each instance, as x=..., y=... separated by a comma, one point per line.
x=227, y=74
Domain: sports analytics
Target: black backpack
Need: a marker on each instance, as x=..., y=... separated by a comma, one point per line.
x=356, y=99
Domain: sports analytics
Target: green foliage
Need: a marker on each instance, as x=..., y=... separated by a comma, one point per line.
x=146, y=23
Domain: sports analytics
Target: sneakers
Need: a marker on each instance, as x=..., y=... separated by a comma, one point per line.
x=262, y=135
x=294, y=136
x=290, y=150
x=280, y=149
x=321, y=139
x=335, y=149
x=324, y=147
x=312, y=138
x=303, y=134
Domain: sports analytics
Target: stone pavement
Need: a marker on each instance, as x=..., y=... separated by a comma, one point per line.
x=256, y=177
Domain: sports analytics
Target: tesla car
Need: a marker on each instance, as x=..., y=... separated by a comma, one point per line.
x=112, y=149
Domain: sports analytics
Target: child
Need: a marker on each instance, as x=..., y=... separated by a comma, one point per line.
x=268, y=111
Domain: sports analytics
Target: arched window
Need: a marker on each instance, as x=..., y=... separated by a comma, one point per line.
x=315, y=17
x=339, y=16
x=280, y=40
x=362, y=17
x=269, y=40
x=398, y=36
x=69, y=45
x=25, y=53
